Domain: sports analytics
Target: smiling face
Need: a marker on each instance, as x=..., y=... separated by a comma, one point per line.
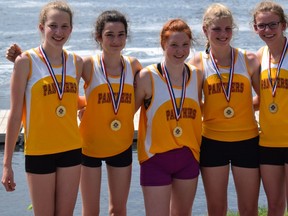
x=268, y=34
x=177, y=47
x=113, y=37
x=176, y=40
x=57, y=28
x=219, y=32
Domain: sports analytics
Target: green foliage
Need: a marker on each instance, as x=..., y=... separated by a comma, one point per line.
x=262, y=211
x=29, y=207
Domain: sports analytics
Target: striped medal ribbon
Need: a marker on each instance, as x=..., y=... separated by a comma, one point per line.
x=177, y=131
x=115, y=124
x=228, y=111
x=60, y=110
x=273, y=107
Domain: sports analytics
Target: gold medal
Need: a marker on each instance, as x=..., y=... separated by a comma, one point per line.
x=115, y=99
x=273, y=108
x=228, y=112
x=60, y=111
x=115, y=125
x=177, y=132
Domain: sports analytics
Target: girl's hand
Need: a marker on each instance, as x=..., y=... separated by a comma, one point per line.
x=8, y=179
x=12, y=52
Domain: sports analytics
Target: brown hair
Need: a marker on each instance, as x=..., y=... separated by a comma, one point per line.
x=269, y=6
x=108, y=16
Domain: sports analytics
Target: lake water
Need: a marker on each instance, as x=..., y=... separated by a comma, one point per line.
x=19, y=25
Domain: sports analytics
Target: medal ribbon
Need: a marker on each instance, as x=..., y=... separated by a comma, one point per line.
x=171, y=92
x=227, y=91
x=115, y=102
x=274, y=87
x=60, y=89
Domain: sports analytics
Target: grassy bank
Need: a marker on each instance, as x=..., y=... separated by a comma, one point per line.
x=262, y=211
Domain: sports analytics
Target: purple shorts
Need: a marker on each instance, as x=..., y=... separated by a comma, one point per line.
x=162, y=168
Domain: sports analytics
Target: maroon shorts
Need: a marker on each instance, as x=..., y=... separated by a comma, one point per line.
x=162, y=168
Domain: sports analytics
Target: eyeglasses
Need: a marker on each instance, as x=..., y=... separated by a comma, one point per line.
x=271, y=25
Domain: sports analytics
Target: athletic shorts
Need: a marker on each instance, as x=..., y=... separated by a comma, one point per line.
x=45, y=164
x=243, y=153
x=162, y=168
x=123, y=159
x=273, y=156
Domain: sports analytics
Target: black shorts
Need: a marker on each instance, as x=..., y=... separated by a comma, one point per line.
x=123, y=159
x=273, y=156
x=243, y=153
x=45, y=164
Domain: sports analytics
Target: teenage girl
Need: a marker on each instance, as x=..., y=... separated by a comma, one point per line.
x=229, y=133
x=107, y=125
x=169, y=133
x=270, y=23
x=44, y=93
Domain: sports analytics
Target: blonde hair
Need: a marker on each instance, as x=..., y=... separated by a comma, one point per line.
x=58, y=5
x=214, y=12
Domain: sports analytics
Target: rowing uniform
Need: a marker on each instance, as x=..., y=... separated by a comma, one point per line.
x=216, y=126
x=99, y=140
x=157, y=122
x=45, y=132
x=273, y=126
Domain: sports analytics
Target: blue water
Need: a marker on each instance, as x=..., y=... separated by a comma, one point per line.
x=19, y=25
